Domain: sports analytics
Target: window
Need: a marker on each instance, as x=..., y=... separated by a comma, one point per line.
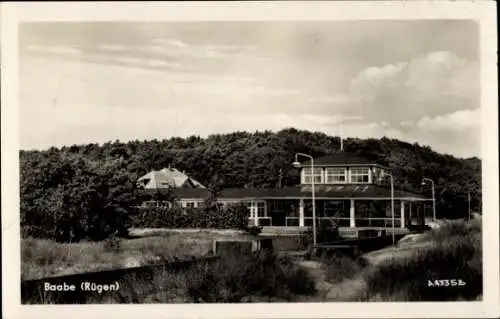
x=261, y=209
x=335, y=175
x=360, y=175
x=164, y=204
x=191, y=204
x=309, y=174
x=256, y=208
x=334, y=208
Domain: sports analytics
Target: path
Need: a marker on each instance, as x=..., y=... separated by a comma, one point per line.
x=353, y=289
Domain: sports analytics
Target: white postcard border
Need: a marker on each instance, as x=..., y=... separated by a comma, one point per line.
x=481, y=11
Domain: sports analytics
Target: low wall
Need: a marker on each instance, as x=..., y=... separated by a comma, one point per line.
x=144, y=232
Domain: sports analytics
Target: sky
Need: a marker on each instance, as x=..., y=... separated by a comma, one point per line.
x=417, y=81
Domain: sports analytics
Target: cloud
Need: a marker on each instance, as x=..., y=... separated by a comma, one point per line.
x=129, y=60
x=77, y=82
x=114, y=47
x=338, y=99
x=170, y=42
x=181, y=49
x=215, y=88
x=83, y=123
x=370, y=80
x=177, y=48
x=434, y=84
x=163, y=63
x=55, y=49
x=458, y=121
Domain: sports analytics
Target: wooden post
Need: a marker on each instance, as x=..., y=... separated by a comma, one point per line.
x=352, y=214
x=301, y=212
x=403, y=214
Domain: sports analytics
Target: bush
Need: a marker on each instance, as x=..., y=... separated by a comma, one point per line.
x=72, y=198
x=454, y=257
x=339, y=268
x=245, y=275
x=454, y=228
x=231, y=217
x=327, y=231
x=254, y=230
x=112, y=244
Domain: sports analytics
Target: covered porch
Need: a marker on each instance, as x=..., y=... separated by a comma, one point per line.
x=372, y=213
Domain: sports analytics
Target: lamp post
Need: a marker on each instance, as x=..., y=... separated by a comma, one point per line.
x=392, y=208
x=433, y=196
x=298, y=165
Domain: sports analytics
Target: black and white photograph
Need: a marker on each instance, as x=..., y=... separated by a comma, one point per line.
x=252, y=161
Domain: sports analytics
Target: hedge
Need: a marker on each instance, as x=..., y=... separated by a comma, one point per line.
x=233, y=216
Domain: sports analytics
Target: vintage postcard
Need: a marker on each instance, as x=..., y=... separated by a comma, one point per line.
x=250, y=159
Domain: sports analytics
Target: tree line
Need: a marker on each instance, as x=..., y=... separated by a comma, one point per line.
x=91, y=187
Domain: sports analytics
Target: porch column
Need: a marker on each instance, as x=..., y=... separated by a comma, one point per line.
x=352, y=213
x=255, y=214
x=410, y=216
x=402, y=214
x=301, y=212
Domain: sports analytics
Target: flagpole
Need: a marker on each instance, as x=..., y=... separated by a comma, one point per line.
x=341, y=133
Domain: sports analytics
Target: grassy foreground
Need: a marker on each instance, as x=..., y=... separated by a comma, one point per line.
x=454, y=252
x=405, y=273
x=41, y=258
x=409, y=271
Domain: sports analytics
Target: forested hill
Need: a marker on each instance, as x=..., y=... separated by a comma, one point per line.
x=240, y=159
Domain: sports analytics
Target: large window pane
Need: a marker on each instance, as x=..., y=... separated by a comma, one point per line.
x=309, y=174
x=335, y=175
x=359, y=175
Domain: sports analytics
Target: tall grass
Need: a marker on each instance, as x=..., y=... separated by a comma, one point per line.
x=454, y=252
x=237, y=277
x=42, y=257
x=340, y=268
x=241, y=277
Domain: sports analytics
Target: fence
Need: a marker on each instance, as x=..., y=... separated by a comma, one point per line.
x=261, y=221
x=346, y=222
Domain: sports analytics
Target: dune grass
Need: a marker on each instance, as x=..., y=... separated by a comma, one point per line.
x=235, y=277
x=41, y=258
x=451, y=252
x=454, y=252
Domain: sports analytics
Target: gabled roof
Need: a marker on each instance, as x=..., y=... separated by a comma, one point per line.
x=341, y=158
x=167, y=177
x=368, y=191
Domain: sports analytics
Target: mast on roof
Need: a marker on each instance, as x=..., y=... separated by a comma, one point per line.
x=341, y=134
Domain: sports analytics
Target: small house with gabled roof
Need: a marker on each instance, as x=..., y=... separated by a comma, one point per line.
x=167, y=177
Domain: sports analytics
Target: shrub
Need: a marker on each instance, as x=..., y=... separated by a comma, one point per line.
x=254, y=230
x=457, y=257
x=339, y=268
x=454, y=228
x=238, y=276
x=235, y=216
x=327, y=231
x=112, y=244
x=231, y=217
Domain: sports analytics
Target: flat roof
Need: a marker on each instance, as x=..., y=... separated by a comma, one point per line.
x=351, y=191
x=341, y=158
